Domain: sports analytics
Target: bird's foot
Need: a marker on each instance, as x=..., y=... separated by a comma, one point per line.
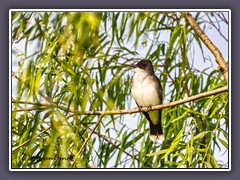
x=149, y=107
x=140, y=108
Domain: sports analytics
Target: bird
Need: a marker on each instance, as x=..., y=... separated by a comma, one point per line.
x=146, y=90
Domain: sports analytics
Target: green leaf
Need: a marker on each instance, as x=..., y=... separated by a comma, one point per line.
x=223, y=142
x=38, y=80
x=164, y=151
x=201, y=135
x=174, y=36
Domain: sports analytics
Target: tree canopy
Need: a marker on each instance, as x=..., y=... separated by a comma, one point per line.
x=70, y=69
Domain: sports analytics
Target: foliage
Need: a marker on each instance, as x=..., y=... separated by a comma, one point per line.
x=77, y=61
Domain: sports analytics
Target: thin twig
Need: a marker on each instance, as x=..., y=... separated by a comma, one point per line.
x=14, y=149
x=85, y=143
x=222, y=17
x=164, y=25
x=114, y=145
x=30, y=109
x=217, y=28
x=215, y=51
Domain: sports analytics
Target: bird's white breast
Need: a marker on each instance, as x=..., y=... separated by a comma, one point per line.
x=143, y=91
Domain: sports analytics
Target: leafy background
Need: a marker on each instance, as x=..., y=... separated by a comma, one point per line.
x=65, y=64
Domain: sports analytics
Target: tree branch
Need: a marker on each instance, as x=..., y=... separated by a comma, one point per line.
x=162, y=106
x=136, y=110
x=215, y=51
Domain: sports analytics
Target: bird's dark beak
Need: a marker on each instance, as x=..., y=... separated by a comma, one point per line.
x=131, y=65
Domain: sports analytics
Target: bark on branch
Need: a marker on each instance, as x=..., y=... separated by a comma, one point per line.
x=136, y=110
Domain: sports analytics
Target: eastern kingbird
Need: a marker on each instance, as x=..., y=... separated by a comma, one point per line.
x=146, y=89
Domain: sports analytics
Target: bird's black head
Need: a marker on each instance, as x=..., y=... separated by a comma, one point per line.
x=145, y=65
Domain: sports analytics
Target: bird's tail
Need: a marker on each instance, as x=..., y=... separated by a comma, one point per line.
x=156, y=132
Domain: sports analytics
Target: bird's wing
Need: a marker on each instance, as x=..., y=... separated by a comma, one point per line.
x=159, y=89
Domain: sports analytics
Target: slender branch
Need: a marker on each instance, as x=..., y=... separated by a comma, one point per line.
x=19, y=122
x=114, y=145
x=164, y=25
x=157, y=107
x=143, y=109
x=217, y=28
x=14, y=149
x=215, y=51
x=30, y=109
x=222, y=17
x=136, y=110
x=89, y=136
